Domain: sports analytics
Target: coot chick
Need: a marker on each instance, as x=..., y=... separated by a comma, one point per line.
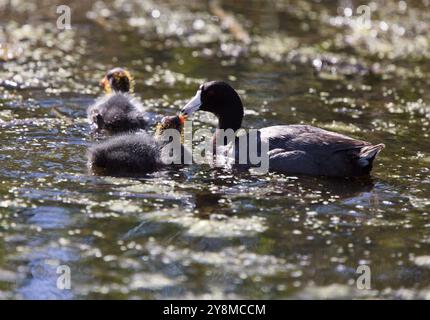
x=138, y=153
x=118, y=111
x=293, y=149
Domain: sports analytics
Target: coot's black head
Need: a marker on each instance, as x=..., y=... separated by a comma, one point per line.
x=222, y=100
x=118, y=80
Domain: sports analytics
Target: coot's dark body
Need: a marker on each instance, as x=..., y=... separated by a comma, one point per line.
x=303, y=149
x=293, y=149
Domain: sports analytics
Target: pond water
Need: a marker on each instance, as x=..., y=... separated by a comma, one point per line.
x=198, y=232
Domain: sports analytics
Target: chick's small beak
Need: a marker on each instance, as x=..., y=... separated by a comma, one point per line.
x=103, y=82
x=182, y=119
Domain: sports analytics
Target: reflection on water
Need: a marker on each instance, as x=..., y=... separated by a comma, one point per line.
x=202, y=233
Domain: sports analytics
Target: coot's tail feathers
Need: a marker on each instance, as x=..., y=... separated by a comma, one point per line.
x=367, y=154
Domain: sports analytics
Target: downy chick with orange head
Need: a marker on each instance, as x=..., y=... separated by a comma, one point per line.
x=118, y=111
x=136, y=154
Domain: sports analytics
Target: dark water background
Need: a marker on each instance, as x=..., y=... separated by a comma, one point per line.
x=197, y=232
